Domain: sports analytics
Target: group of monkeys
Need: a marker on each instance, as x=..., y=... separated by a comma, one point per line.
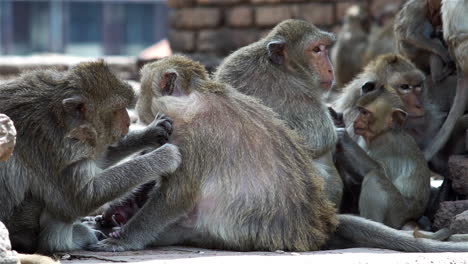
x=250, y=158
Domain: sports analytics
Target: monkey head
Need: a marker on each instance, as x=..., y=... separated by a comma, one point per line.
x=94, y=105
x=379, y=111
x=175, y=76
x=301, y=48
x=402, y=77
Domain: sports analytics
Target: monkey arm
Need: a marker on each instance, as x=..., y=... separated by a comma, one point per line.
x=88, y=188
x=352, y=157
x=421, y=41
x=155, y=135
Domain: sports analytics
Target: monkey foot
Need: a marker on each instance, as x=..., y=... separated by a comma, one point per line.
x=110, y=245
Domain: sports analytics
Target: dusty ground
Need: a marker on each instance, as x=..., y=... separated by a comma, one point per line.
x=176, y=255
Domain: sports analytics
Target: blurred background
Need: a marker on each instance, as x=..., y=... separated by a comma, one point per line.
x=41, y=33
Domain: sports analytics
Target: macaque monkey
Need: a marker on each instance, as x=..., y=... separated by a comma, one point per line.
x=396, y=180
x=400, y=75
x=71, y=126
x=246, y=182
x=289, y=70
x=417, y=39
x=455, y=29
x=348, y=51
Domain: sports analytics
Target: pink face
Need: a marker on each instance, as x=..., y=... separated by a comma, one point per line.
x=317, y=52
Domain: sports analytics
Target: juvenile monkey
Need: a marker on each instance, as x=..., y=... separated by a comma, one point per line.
x=416, y=39
x=351, y=43
x=400, y=75
x=396, y=179
x=246, y=182
x=70, y=127
x=289, y=71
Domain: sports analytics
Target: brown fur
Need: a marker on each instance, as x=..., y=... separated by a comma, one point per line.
x=292, y=90
x=246, y=182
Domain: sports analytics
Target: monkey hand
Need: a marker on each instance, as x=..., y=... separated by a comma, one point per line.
x=166, y=158
x=336, y=117
x=158, y=131
x=343, y=139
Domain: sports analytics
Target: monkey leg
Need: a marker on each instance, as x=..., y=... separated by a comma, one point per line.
x=149, y=223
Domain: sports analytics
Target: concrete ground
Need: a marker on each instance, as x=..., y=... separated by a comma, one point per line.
x=178, y=255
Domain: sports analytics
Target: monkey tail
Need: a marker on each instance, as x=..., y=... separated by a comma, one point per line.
x=355, y=231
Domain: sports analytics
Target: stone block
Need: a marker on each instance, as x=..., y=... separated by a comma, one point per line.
x=459, y=223
x=182, y=41
x=219, y=2
x=447, y=211
x=458, y=168
x=180, y=3
x=7, y=256
x=317, y=13
x=241, y=16
x=195, y=18
x=272, y=15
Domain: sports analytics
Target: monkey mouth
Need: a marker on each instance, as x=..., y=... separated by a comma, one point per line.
x=326, y=84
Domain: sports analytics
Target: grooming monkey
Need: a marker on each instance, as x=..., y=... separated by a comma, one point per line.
x=246, y=182
x=7, y=145
x=417, y=40
x=350, y=45
x=71, y=127
x=289, y=71
x=396, y=180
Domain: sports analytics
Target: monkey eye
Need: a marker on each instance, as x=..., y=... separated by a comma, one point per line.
x=404, y=87
x=316, y=49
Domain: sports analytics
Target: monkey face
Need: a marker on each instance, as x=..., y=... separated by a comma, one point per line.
x=362, y=124
x=412, y=98
x=317, y=53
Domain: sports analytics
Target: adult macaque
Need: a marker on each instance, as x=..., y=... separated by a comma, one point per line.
x=67, y=122
x=351, y=43
x=396, y=180
x=455, y=29
x=417, y=40
x=246, y=182
x=289, y=70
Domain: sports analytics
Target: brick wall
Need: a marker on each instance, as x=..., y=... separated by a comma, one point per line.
x=217, y=27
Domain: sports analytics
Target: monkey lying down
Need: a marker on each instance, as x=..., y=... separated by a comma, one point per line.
x=245, y=182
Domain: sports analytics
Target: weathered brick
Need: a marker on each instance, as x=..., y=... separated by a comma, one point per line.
x=195, y=18
x=447, y=211
x=272, y=15
x=460, y=223
x=242, y=37
x=240, y=16
x=219, y=2
x=274, y=1
x=180, y=3
x=378, y=5
x=458, y=168
x=317, y=13
x=182, y=41
x=211, y=40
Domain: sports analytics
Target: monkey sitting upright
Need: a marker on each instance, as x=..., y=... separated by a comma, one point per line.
x=71, y=126
x=396, y=179
x=246, y=181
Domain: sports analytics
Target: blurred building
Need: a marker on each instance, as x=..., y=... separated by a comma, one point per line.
x=81, y=27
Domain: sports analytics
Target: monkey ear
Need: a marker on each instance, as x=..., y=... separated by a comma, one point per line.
x=398, y=118
x=367, y=87
x=75, y=105
x=167, y=82
x=276, y=50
